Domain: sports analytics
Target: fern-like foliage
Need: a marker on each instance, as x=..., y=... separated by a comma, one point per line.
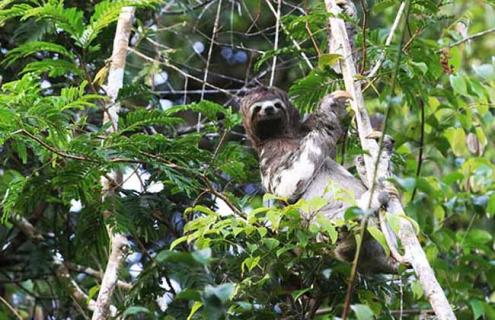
x=140, y=118
x=70, y=20
x=105, y=13
x=52, y=67
x=35, y=47
x=308, y=91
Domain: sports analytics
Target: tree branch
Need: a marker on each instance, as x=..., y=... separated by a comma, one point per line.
x=471, y=37
x=275, y=45
x=118, y=241
x=95, y=273
x=390, y=37
x=413, y=250
x=11, y=308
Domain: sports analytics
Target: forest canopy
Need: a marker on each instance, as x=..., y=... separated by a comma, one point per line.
x=129, y=190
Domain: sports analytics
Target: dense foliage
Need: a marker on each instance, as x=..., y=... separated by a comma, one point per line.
x=204, y=242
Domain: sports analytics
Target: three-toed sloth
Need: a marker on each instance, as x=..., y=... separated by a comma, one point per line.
x=297, y=161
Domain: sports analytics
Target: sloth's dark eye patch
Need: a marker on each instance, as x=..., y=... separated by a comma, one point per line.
x=278, y=105
x=257, y=109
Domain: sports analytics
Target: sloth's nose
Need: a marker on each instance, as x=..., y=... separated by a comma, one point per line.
x=269, y=110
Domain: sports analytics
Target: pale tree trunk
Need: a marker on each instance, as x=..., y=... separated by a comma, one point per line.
x=414, y=253
x=118, y=241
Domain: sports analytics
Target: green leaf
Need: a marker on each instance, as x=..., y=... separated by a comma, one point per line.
x=298, y=293
x=393, y=221
x=417, y=290
x=69, y=20
x=421, y=66
x=477, y=237
x=250, y=262
x=34, y=47
x=458, y=84
x=274, y=217
x=202, y=256
x=178, y=241
x=381, y=5
x=7, y=118
x=490, y=207
x=54, y=68
x=12, y=196
x=306, y=93
x=328, y=59
x=457, y=140
x=188, y=294
x=134, y=310
x=224, y=292
x=378, y=235
x=362, y=312
x=353, y=213
x=477, y=307
x=271, y=243
x=194, y=309
x=327, y=226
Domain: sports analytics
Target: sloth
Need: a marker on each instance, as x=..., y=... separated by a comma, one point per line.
x=297, y=162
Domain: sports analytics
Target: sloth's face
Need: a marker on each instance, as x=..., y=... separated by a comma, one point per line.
x=269, y=117
x=267, y=113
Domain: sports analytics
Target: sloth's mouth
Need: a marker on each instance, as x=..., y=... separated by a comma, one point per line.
x=270, y=127
x=271, y=117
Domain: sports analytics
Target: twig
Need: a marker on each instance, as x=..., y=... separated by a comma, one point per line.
x=52, y=149
x=421, y=105
x=388, y=41
x=118, y=241
x=182, y=72
x=61, y=271
x=206, y=91
x=471, y=37
x=83, y=158
x=11, y=308
x=95, y=273
x=363, y=27
x=77, y=294
x=308, y=29
x=413, y=250
x=180, y=12
x=275, y=45
x=294, y=42
x=208, y=60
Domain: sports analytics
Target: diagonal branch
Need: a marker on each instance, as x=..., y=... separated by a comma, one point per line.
x=388, y=41
x=413, y=250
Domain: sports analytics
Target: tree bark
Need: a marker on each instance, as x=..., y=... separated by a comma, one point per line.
x=414, y=253
x=118, y=241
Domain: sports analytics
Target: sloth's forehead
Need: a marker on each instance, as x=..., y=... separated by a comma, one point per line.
x=266, y=97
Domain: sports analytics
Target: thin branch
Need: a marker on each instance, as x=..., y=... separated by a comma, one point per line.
x=61, y=271
x=472, y=37
x=52, y=149
x=11, y=308
x=421, y=105
x=294, y=42
x=182, y=72
x=95, y=273
x=363, y=27
x=275, y=45
x=181, y=12
x=208, y=60
x=83, y=158
x=388, y=41
x=77, y=294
